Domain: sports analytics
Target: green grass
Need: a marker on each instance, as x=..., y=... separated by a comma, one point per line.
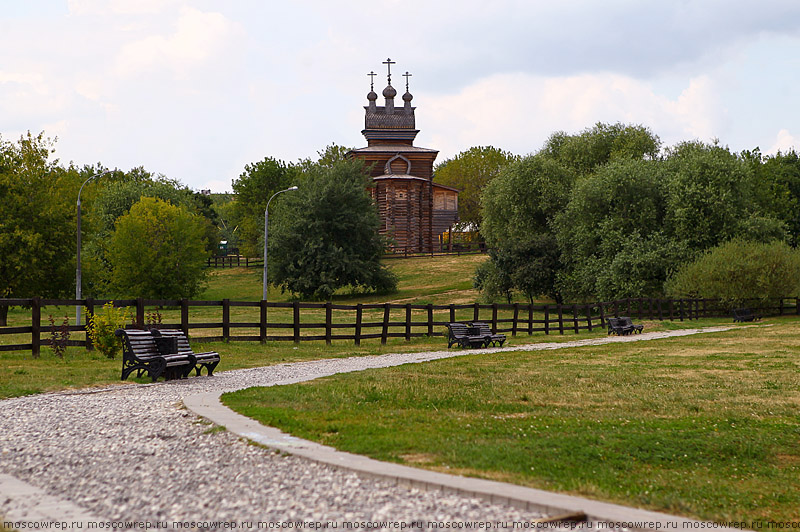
x=705, y=426
x=420, y=280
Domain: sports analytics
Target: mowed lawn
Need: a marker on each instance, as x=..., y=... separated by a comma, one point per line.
x=706, y=426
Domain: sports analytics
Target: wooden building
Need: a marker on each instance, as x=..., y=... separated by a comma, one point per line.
x=414, y=210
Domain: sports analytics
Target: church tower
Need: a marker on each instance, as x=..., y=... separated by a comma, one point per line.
x=414, y=210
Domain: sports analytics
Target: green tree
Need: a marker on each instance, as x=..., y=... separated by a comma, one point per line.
x=109, y=198
x=711, y=197
x=325, y=236
x=601, y=144
x=253, y=188
x=158, y=251
x=37, y=221
x=738, y=270
x=470, y=171
x=610, y=234
x=518, y=208
x=777, y=182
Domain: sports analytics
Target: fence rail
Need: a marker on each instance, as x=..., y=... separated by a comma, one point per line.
x=234, y=261
x=267, y=321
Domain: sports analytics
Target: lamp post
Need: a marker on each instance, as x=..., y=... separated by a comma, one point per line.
x=266, y=235
x=78, y=270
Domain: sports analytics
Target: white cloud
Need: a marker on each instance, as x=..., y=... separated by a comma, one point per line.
x=198, y=37
x=121, y=7
x=784, y=142
x=518, y=112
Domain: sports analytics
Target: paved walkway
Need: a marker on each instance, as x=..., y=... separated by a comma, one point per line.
x=134, y=453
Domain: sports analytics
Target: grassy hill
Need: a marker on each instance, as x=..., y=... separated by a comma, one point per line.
x=443, y=279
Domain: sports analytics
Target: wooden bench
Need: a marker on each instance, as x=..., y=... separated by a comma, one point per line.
x=140, y=353
x=208, y=360
x=465, y=336
x=744, y=314
x=628, y=323
x=486, y=331
x=622, y=326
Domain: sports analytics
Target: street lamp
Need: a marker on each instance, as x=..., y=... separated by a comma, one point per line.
x=266, y=234
x=78, y=270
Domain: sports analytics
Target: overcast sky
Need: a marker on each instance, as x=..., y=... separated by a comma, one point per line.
x=197, y=89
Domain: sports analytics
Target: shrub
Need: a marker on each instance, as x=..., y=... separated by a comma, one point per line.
x=101, y=327
x=59, y=336
x=739, y=270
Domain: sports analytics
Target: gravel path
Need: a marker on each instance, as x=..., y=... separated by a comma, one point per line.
x=133, y=452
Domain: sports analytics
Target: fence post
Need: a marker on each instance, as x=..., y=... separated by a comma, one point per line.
x=262, y=322
x=452, y=313
x=430, y=319
x=575, y=317
x=671, y=308
x=328, y=322
x=185, y=317
x=359, y=315
x=560, y=319
x=140, y=313
x=494, y=318
x=680, y=308
x=514, y=321
x=226, y=319
x=780, y=307
x=602, y=314
x=547, y=319
x=89, y=315
x=296, y=321
x=408, y=322
x=36, y=327
x=385, y=326
x=530, y=319
x=589, y=317
x=475, y=312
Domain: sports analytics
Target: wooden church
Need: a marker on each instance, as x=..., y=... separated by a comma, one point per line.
x=414, y=211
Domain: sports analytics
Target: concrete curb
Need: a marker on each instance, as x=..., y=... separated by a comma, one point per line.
x=29, y=504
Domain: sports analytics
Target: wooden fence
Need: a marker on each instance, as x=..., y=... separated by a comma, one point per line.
x=234, y=261
x=298, y=322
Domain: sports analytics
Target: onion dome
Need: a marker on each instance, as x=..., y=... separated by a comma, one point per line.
x=407, y=97
x=389, y=92
x=372, y=96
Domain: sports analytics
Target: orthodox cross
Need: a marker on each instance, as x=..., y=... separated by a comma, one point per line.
x=371, y=80
x=389, y=64
x=407, y=75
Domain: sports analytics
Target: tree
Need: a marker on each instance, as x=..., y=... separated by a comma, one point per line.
x=37, y=206
x=110, y=198
x=518, y=208
x=711, y=197
x=470, y=171
x=253, y=188
x=158, y=251
x=601, y=144
x=610, y=233
x=738, y=270
x=777, y=182
x=326, y=235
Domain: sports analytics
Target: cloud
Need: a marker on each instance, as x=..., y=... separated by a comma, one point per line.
x=119, y=7
x=518, y=112
x=198, y=37
x=784, y=142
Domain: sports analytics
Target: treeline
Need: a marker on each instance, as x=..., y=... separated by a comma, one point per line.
x=608, y=213
x=38, y=200
x=146, y=235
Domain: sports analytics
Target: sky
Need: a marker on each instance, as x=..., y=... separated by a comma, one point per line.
x=196, y=90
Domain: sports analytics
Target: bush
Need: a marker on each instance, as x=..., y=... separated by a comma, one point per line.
x=101, y=327
x=739, y=270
